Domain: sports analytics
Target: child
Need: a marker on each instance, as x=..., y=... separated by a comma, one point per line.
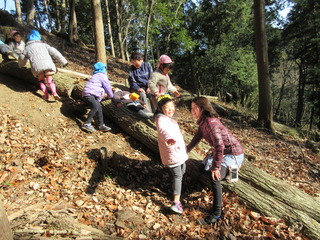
x=159, y=82
x=139, y=75
x=171, y=146
x=132, y=101
x=95, y=90
x=42, y=66
x=16, y=43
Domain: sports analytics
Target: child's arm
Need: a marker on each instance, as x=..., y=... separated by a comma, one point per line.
x=107, y=86
x=22, y=61
x=165, y=129
x=56, y=54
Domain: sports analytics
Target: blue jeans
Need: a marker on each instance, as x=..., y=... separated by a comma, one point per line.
x=95, y=107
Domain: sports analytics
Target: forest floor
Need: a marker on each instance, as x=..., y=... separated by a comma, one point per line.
x=54, y=187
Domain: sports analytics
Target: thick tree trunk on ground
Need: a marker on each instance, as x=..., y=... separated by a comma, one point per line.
x=261, y=191
x=5, y=230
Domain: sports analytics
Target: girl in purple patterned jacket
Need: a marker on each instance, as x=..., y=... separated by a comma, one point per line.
x=225, y=150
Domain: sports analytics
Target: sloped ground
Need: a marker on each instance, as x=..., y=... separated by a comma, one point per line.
x=54, y=186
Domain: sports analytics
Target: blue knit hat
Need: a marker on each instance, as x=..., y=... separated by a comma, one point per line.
x=99, y=67
x=34, y=35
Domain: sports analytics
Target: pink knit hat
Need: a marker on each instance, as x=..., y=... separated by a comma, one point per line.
x=164, y=59
x=13, y=32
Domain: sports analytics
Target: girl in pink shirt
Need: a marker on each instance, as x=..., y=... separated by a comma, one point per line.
x=171, y=146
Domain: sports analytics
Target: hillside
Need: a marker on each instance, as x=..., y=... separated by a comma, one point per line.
x=53, y=185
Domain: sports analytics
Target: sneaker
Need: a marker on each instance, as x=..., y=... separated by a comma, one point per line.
x=104, y=128
x=57, y=97
x=210, y=219
x=177, y=207
x=88, y=127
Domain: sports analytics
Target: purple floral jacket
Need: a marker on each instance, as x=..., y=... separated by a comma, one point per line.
x=222, y=142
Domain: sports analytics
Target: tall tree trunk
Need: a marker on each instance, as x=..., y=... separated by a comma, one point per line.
x=110, y=29
x=265, y=104
x=57, y=20
x=18, y=11
x=119, y=30
x=99, y=32
x=172, y=26
x=301, y=87
x=147, y=30
x=45, y=2
x=30, y=13
x=63, y=16
x=73, y=25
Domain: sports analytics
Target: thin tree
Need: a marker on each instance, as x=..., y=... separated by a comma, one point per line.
x=119, y=30
x=110, y=30
x=98, y=32
x=63, y=16
x=18, y=11
x=45, y=2
x=30, y=12
x=57, y=20
x=265, y=104
x=73, y=26
x=150, y=7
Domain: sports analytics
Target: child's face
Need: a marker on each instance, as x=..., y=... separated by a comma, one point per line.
x=17, y=37
x=137, y=63
x=168, y=109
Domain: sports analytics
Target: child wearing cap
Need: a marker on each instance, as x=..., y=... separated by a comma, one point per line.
x=97, y=88
x=16, y=43
x=159, y=82
x=171, y=146
x=132, y=101
x=40, y=55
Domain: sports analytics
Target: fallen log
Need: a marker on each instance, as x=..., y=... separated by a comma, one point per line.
x=64, y=80
x=5, y=229
x=261, y=191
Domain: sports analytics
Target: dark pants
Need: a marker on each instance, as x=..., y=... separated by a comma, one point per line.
x=216, y=189
x=95, y=107
x=217, y=192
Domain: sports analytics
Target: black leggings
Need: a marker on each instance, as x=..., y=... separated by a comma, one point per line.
x=95, y=107
x=217, y=192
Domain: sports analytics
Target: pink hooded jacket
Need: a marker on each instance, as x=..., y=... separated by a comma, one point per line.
x=168, y=128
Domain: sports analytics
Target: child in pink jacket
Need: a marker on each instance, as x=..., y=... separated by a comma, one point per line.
x=171, y=146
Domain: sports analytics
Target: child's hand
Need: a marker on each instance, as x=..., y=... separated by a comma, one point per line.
x=170, y=142
x=176, y=94
x=144, y=106
x=157, y=94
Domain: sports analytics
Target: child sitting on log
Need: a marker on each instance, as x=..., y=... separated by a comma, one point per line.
x=40, y=55
x=132, y=101
x=16, y=43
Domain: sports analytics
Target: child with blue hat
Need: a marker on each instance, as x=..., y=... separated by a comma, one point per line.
x=96, y=89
